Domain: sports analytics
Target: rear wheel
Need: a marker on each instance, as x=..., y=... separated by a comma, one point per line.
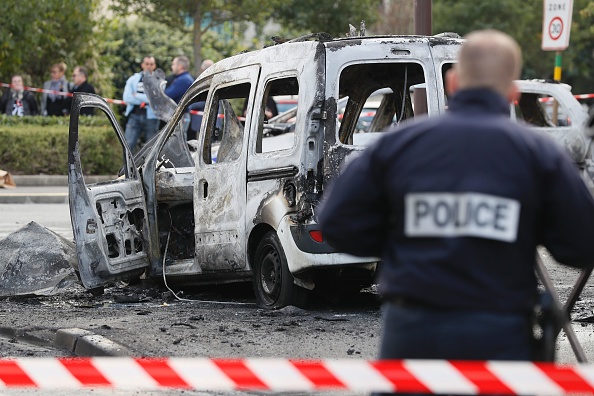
x=273, y=283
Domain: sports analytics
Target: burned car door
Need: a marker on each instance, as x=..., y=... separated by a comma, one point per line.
x=220, y=180
x=108, y=219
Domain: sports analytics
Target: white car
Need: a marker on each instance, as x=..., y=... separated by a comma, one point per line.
x=243, y=205
x=551, y=108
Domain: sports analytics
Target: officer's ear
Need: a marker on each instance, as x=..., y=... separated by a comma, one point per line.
x=513, y=93
x=451, y=78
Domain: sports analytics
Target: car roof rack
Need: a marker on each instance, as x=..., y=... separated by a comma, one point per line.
x=322, y=37
x=448, y=35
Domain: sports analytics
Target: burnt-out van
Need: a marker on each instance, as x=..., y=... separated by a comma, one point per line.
x=240, y=201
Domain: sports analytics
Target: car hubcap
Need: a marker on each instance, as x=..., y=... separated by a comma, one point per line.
x=270, y=277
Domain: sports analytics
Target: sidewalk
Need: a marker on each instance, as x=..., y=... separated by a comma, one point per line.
x=42, y=189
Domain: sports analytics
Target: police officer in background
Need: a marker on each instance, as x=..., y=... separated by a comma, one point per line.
x=455, y=206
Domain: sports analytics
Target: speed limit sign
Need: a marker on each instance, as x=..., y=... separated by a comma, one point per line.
x=556, y=24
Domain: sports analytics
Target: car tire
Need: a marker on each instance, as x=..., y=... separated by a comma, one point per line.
x=273, y=282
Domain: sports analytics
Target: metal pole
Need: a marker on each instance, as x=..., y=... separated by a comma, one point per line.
x=422, y=27
x=423, y=17
x=556, y=77
x=543, y=274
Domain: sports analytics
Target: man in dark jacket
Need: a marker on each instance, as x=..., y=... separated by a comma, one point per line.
x=182, y=80
x=455, y=206
x=16, y=101
x=79, y=78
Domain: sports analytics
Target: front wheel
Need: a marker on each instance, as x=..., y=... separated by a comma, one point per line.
x=273, y=283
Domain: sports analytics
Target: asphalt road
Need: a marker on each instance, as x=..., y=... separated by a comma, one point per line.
x=56, y=217
x=216, y=321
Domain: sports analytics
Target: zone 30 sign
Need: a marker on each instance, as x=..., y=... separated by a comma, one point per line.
x=556, y=24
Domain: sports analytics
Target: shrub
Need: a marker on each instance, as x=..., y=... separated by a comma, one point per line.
x=39, y=145
x=7, y=120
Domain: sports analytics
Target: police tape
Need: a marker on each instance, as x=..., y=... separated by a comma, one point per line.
x=285, y=375
x=578, y=96
x=49, y=91
x=584, y=96
x=121, y=102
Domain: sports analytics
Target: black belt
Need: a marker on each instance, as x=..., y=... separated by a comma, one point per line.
x=139, y=110
x=410, y=303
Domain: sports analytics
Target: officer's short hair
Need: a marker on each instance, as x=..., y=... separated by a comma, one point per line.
x=489, y=59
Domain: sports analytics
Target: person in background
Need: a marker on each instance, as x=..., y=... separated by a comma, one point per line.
x=182, y=80
x=16, y=101
x=142, y=121
x=206, y=63
x=54, y=103
x=79, y=79
x=456, y=206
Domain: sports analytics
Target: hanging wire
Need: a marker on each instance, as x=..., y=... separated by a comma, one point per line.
x=165, y=277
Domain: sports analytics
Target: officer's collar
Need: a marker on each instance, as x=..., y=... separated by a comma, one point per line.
x=478, y=99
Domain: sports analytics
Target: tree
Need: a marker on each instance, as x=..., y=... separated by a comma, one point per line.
x=578, y=58
x=36, y=34
x=196, y=16
x=130, y=41
x=523, y=21
x=396, y=17
x=331, y=17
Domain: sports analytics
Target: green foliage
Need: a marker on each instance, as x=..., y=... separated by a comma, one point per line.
x=312, y=16
x=37, y=33
x=43, y=149
x=196, y=16
x=8, y=120
x=523, y=21
x=131, y=41
x=520, y=19
x=578, y=58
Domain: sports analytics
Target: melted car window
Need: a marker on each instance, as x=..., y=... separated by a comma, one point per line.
x=377, y=96
x=277, y=117
x=89, y=147
x=541, y=111
x=223, y=140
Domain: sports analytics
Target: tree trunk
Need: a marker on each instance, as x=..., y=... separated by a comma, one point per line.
x=197, y=42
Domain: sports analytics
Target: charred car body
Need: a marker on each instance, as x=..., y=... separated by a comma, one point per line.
x=240, y=203
x=550, y=107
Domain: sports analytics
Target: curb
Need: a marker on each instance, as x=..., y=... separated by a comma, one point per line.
x=86, y=343
x=33, y=198
x=43, y=189
x=77, y=341
x=54, y=180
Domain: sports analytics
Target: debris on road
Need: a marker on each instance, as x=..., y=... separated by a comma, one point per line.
x=35, y=260
x=6, y=180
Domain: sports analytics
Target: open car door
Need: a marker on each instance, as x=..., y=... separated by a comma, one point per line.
x=109, y=219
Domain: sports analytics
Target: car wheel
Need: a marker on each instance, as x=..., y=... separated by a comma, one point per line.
x=273, y=282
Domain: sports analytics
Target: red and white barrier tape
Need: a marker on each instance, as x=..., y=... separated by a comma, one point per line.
x=49, y=91
x=281, y=375
x=584, y=96
x=579, y=96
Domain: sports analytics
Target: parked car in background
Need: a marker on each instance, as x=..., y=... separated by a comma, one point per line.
x=545, y=106
x=285, y=102
x=551, y=108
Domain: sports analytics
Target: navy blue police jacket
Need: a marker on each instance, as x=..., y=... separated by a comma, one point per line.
x=456, y=205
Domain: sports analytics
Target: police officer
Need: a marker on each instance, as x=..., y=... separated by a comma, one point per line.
x=455, y=206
